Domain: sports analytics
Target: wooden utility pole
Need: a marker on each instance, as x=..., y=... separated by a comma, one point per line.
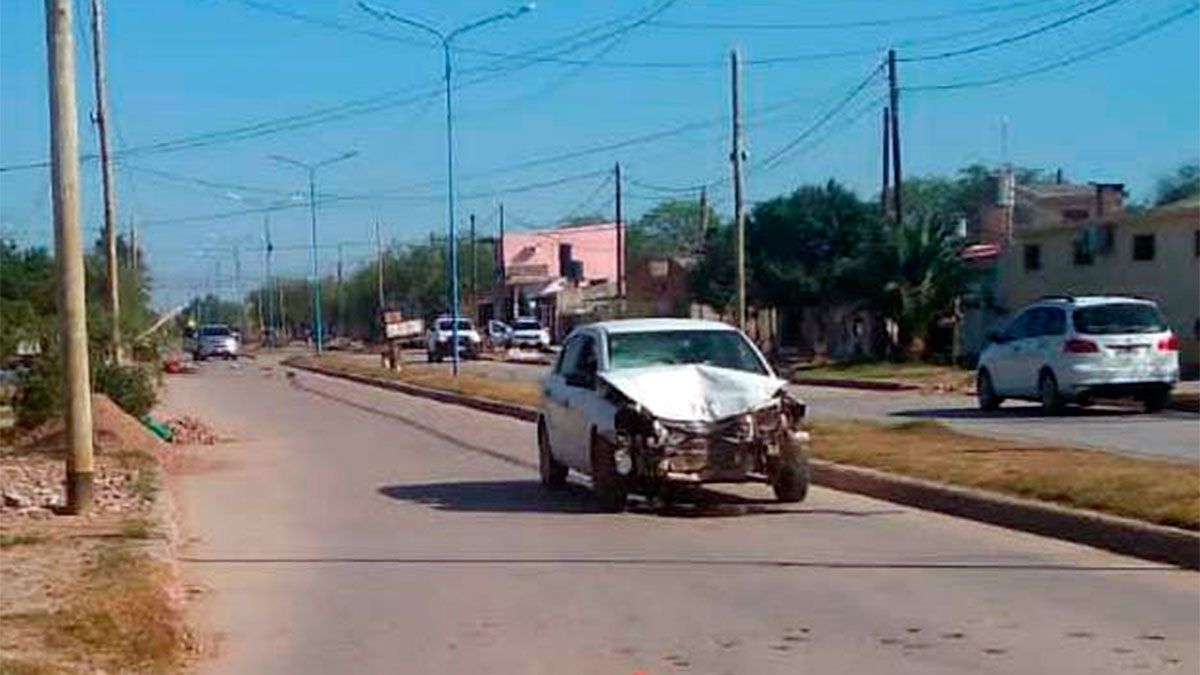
x=504, y=270
x=379, y=264
x=341, y=313
x=100, y=75
x=739, y=211
x=884, y=196
x=704, y=213
x=133, y=244
x=68, y=245
x=620, y=227
x=894, y=105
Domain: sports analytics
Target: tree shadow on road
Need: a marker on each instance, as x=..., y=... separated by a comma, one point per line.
x=528, y=496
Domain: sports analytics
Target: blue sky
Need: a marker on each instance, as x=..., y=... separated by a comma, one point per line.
x=182, y=68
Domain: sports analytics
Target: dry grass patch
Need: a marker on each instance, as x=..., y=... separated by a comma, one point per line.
x=928, y=375
x=1151, y=490
x=439, y=377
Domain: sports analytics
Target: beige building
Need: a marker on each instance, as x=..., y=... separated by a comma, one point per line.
x=1154, y=255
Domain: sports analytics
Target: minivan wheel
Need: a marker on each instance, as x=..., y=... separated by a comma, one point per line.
x=553, y=474
x=608, y=486
x=1052, y=401
x=985, y=391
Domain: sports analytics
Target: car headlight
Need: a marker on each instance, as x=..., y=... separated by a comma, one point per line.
x=744, y=427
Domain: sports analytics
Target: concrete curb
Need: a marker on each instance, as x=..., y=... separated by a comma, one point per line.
x=872, y=385
x=1120, y=535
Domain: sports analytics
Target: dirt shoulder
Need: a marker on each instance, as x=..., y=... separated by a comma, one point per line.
x=97, y=592
x=1163, y=493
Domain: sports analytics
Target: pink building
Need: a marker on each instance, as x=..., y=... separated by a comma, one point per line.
x=545, y=256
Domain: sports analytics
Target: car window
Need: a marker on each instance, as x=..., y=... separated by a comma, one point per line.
x=1119, y=317
x=1019, y=328
x=1055, y=322
x=526, y=325
x=215, y=331
x=720, y=348
x=569, y=357
x=448, y=324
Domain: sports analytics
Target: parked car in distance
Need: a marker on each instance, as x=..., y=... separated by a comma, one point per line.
x=216, y=340
x=1063, y=350
x=642, y=404
x=528, y=333
x=498, y=334
x=441, y=335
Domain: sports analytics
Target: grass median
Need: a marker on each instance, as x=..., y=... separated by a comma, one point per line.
x=1154, y=491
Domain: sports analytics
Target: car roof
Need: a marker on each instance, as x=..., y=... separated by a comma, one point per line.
x=1089, y=300
x=656, y=325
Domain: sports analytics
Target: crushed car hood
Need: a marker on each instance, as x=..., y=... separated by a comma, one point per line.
x=693, y=393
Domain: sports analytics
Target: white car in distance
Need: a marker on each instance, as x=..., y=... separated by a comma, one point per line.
x=1065, y=349
x=642, y=404
x=527, y=333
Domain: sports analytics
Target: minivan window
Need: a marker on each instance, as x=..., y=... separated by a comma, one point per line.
x=1119, y=317
x=448, y=324
x=215, y=331
x=526, y=325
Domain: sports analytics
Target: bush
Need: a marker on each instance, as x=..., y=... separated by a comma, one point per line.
x=130, y=387
x=41, y=394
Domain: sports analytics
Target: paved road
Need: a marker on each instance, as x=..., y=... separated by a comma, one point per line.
x=349, y=529
x=1170, y=434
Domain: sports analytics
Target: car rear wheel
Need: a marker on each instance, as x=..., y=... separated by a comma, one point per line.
x=985, y=391
x=1156, y=400
x=790, y=478
x=1048, y=394
x=608, y=486
x=552, y=473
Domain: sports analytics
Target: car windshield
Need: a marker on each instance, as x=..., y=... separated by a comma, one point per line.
x=448, y=324
x=1115, y=318
x=526, y=325
x=215, y=331
x=720, y=348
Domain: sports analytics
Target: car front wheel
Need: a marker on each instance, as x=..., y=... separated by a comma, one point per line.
x=1156, y=400
x=608, y=486
x=986, y=392
x=790, y=478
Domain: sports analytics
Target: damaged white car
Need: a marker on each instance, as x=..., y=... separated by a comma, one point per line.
x=641, y=404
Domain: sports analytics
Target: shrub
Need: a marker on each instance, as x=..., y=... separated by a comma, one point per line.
x=41, y=394
x=130, y=387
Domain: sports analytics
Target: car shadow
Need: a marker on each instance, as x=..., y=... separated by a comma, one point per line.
x=528, y=496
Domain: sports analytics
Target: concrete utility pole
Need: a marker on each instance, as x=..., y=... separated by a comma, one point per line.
x=884, y=197
x=341, y=309
x=739, y=211
x=72, y=310
x=504, y=268
x=133, y=244
x=379, y=263
x=237, y=289
x=894, y=101
x=474, y=266
x=704, y=214
x=268, y=249
x=620, y=226
x=108, y=180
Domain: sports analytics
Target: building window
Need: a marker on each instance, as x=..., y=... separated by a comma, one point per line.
x=1033, y=257
x=1143, y=247
x=1075, y=215
x=1082, y=249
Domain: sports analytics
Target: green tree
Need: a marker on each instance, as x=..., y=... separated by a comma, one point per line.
x=27, y=303
x=1184, y=182
x=712, y=281
x=672, y=228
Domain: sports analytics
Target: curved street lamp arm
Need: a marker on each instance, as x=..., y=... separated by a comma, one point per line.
x=382, y=13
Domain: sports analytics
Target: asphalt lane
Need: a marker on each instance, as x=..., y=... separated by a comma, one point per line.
x=1170, y=435
x=350, y=529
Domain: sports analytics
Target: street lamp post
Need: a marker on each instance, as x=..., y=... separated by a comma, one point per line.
x=311, y=169
x=446, y=38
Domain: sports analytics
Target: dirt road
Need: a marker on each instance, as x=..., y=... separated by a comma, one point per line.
x=348, y=529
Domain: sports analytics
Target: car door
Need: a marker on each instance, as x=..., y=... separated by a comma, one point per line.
x=1003, y=366
x=1029, y=351
x=556, y=397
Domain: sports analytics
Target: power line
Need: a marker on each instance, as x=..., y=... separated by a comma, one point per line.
x=858, y=23
x=1059, y=63
x=812, y=128
x=1015, y=38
